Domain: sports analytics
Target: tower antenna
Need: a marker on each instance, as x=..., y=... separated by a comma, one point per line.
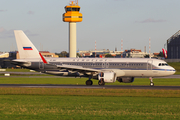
x=149, y=47
x=95, y=49
x=121, y=48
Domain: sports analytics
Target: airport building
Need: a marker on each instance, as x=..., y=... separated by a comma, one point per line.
x=4, y=55
x=5, y=60
x=173, y=46
x=133, y=53
x=97, y=53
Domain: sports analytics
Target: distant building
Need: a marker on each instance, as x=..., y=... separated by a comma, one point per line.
x=173, y=46
x=48, y=54
x=99, y=53
x=5, y=60
x=43, y=53
x=133, y=53
x=4, y=55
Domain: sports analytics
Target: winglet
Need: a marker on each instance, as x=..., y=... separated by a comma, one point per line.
x=43, y=59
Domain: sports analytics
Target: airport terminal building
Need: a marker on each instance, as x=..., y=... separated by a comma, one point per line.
x=173, y=46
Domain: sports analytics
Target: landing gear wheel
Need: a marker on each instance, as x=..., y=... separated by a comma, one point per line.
x=101, y=83
x=89, y=82
x=151, y=81
x=151, y=84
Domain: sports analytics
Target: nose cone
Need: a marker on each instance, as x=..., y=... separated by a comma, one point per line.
x=173, y=70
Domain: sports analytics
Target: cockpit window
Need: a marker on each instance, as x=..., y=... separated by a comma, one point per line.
x=163, y=64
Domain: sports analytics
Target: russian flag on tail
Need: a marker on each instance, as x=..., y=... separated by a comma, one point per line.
x=27, y=48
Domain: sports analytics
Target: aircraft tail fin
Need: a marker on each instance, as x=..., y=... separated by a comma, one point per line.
x=164, y=53
x=25, y=47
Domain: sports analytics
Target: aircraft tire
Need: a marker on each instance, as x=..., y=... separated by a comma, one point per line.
x=151, y=84
x=101, y=84
x=89, y=82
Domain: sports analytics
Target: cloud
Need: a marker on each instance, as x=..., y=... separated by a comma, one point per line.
x=30, y=12
x=10, y=33
x=2, y=29
x=29, y=33
x=151, y=21
x=3, y=10
x=6, y=33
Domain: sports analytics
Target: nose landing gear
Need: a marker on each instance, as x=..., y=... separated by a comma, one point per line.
x=151, y=81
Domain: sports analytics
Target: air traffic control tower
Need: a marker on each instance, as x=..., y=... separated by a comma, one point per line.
x=72, y=16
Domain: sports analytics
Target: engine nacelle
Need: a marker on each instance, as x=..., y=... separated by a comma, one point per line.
x=126, y=79
x=107, y=77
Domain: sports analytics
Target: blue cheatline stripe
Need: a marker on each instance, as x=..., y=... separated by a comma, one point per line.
x=136, y=69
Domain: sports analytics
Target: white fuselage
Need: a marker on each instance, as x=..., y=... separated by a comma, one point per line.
x=123, y=67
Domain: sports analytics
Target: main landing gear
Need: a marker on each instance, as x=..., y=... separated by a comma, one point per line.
x=151, y=81
x=101, y=82
x=89, y=82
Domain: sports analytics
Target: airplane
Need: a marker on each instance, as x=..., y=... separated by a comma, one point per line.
x=105, y=70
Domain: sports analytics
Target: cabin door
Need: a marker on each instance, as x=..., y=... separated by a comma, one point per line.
x=41, y=65
x=149, y=64
x=105, y=65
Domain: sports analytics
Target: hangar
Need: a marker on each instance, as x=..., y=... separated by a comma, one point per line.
x=173, y=46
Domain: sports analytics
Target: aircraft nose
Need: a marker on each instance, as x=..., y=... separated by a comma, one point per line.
x=173, y=70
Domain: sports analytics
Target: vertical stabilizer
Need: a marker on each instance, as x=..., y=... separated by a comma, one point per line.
x=25, y=47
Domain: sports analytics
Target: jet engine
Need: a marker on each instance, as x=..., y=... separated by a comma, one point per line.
x=107, y=77
x=126, y=79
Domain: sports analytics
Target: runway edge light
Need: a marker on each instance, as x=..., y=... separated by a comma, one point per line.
x=72, y=16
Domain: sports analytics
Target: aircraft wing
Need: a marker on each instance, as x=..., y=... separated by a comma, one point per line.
x=77, y=68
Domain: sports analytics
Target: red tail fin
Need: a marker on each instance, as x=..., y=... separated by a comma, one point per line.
x=164, y=53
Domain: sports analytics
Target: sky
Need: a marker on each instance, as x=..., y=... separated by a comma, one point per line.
x=105, y=21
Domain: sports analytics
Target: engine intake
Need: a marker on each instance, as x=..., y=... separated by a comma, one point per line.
x=107, y=77
x=126, y=79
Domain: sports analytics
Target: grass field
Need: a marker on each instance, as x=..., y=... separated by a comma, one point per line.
x=176, y=65
x=88, y=104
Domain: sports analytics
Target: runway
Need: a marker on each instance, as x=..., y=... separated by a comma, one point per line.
x=91, y=87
